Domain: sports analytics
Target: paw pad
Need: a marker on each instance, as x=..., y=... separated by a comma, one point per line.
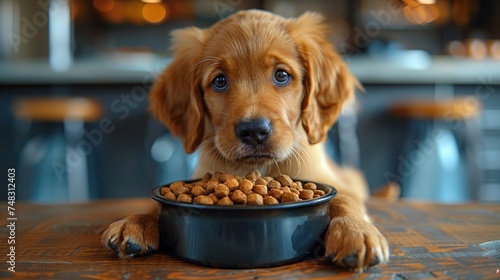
x=132, y=248
x=350, y=261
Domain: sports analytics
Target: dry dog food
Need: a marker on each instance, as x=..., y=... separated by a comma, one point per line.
x=226, y=189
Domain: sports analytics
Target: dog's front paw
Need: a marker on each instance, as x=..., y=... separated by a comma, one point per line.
x=133, y=236
x=355, y=244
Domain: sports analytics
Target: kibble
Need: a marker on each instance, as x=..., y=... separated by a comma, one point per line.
x=261, y=181
x=232, y=184
x=295, y=191
x=238, y=197
x=203, y=199
x=306, y=194
x=252, y=176
x=207, y=177
x=260, y=189
x=165, y=190
x=169, y=195
x=211, y=185
x=255, y=199
x=176, y=185
x=222, y=188
x=184, y=198
x=198, y=190
x=310, y=186
x=246, y=186
x=269, y=200
x=289, y=197
x=284, y=180
x=268, y=179
x=225, y=201
x=214, y=198
x=296, y=185
x=273, y=184
x=226, y=177
x=319, y=192
x=276, y=193
x=178, y=190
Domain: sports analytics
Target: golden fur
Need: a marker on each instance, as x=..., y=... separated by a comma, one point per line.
x=248, y=48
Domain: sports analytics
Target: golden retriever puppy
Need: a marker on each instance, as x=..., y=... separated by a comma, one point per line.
x=257, y=91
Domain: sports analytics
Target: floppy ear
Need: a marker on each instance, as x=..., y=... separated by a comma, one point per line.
x=176, y=98
x=328, y=83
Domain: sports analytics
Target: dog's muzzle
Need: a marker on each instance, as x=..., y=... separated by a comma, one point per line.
x=254, y=132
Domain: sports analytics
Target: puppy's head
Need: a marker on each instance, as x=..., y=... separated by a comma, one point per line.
x=249, y=83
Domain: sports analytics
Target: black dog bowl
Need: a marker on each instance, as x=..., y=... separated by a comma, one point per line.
x=243, y=236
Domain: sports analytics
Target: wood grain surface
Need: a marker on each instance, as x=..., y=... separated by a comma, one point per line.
x=426, y=240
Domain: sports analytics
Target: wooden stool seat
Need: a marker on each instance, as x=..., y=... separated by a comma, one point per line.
x=452, y=109
x=56, y=125
x=57, y=109
x=439, y=149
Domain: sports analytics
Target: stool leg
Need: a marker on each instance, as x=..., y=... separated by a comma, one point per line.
x=76, y=161
x=20, y=140
x=348, y=138
x=472, y=142
x=22, y=131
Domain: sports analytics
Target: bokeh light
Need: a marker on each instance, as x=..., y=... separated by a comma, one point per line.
x=104, y=5
x=420, y=15
x=155, y=13
x=134, y=12
x=117, y=13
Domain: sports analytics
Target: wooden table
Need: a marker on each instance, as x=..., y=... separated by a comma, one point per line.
x=427, y=241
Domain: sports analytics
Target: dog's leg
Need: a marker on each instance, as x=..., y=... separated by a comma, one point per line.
x=134, y=235
x=389, y=192
x=351, y=240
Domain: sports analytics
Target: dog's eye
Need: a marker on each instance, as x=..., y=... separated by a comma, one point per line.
x=219, y=83
x=281, y=77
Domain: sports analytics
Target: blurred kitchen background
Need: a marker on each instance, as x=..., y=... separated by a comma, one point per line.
x=74, y=77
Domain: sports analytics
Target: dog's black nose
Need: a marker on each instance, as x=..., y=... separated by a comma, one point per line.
x=254, y=132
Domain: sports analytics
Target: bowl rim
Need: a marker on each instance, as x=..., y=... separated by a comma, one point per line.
x=156, y=195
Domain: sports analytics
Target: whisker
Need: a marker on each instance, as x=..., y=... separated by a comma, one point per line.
x=277, y=166
x=304, y=158
x=308, y=159
x=297, y=158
